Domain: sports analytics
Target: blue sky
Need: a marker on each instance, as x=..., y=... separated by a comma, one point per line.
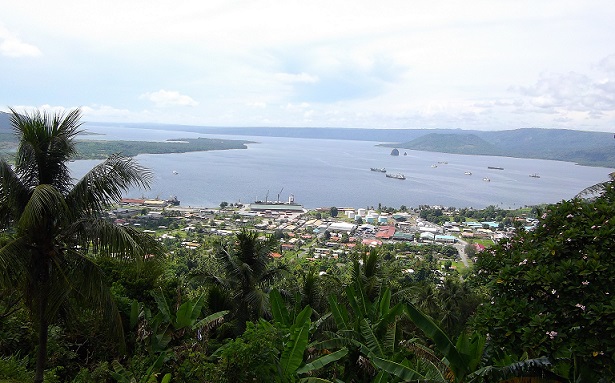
x=487, y=65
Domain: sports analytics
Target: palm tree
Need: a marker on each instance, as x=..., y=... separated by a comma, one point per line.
x=246, y=261
x=56, y=225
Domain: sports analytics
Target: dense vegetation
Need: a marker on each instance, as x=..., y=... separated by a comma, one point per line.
x=490, y=213
x=100, y=149
x=539, y=305
x=95, y=149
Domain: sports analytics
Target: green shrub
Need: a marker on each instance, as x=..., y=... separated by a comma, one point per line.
x=15, y=369
x=551, y=288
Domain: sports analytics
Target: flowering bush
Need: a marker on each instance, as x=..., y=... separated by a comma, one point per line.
x=551, y=290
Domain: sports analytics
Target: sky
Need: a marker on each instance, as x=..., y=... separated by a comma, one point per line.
x=474, y=64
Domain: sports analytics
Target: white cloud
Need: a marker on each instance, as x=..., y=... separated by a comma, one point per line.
x=12, y=46
x=297, y=107
x=257, y=104
x=163, y=98
x=45, y=107
x=607, y=64
x=102, y=112
x=297, y=77
x=558, y=92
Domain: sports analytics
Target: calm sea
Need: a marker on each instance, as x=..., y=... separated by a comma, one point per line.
x=322, y=173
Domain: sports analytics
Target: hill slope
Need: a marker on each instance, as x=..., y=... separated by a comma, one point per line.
x=585, y=148
x=5, y=123
x=452, y=143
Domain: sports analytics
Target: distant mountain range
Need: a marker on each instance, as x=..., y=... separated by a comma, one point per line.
x=585, y=148
x=5, y=122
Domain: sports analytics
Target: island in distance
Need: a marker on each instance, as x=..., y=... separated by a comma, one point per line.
x=584, y=148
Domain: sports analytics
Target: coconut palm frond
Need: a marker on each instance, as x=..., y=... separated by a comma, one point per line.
x=45, y=146
x=108, y=239
x=259, y=300
x=13, y=194
x=14, y=262
x=89, y=289
x=105, y=183
x=46, y=205
x=270, y=275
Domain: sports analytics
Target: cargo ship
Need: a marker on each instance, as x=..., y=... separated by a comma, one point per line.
x=398, y=176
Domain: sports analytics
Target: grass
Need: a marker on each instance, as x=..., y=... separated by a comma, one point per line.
x=459, y=265
x=484, y=242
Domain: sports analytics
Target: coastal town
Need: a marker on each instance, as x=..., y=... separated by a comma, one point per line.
x=322, y=233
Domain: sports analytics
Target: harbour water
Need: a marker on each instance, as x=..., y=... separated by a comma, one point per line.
x=322, y=173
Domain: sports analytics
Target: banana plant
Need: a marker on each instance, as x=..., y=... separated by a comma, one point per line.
x=370, y=330
x=461, y=361
x=122, y=375
x=167, y=325
x=292, y=365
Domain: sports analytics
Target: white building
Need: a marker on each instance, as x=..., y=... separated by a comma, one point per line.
x=342, y=227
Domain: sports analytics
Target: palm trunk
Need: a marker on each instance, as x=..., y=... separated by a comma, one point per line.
x=43, y=326
x=43, y=330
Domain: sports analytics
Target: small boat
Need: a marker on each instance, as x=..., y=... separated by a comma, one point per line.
x=382, y=170
x=434, y=166
x=534, y=175
x=398, y=176
x=468, y=173
x=175, y=172
x=495, y=167
x=486, y=179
